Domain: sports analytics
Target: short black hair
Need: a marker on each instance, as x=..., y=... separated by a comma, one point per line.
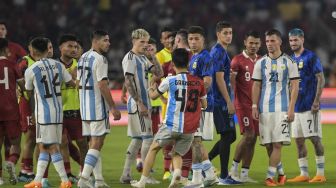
x=252, y=33
x=152, y=41
x=97, y=34
x=221, y=25
x=80, y=42
x=180, y=58
x=196, y=30
x=3, y=44
x=172, y=34
x=40, y=44
x=166, y=29
x=273, y=32
x=67, y=37
x=184, y=34
x=3, y=22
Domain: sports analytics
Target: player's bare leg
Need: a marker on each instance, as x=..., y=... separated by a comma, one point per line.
x=83, y=148
x=148, y=165
x=66, y=157
x=319, y=152
x=244, y=152
x=275, y=165
x=177, y=165
x=302, y=160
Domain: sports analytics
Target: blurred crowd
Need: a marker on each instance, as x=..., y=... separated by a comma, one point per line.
x=26, y=18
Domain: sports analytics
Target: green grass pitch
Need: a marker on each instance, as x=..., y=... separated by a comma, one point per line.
x=116, y=143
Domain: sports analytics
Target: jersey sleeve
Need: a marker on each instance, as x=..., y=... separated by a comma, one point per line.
x=17, y=72
x=317, y=66
x=149, y=64
x=101, y=69
x=129, y=65
x=207, y=68
x=293, y=70
x=257, y=71
x=22, y=65
x=164, y=86
x=29, y=76
x=66, y=75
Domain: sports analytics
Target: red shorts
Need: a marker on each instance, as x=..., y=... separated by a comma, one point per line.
x=155, y=119
x=246, y=121
x=11, y=129
x=73, y=127
x=25, y=116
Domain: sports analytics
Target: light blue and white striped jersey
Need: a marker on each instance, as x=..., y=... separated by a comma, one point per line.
x=275, y=76
x=45, y=77
x=138, y=66
x=92, y=68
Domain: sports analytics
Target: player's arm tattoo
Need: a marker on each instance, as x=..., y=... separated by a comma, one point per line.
x=157, y=68
x=197, y=150
x=320, y=86
x=130, y=86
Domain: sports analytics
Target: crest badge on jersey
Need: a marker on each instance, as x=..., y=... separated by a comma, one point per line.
x=283, y=66
x=274, y=67
x=194, y=65
x=301, y=64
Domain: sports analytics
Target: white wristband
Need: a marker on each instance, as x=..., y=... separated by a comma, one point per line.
x=254, y=106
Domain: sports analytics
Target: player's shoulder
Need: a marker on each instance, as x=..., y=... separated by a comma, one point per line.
x=238, y=57
x=287, y=57
x=262, y=58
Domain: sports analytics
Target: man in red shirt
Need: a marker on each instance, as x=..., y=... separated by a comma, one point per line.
x=16, y=51
x=9, y=119
x=242, y=67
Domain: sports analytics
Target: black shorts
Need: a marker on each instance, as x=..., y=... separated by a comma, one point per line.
x=223, y=121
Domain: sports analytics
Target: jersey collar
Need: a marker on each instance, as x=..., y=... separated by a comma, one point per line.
x=248, y=57
x=3, y=57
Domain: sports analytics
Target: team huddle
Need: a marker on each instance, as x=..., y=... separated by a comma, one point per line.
x=275, y=97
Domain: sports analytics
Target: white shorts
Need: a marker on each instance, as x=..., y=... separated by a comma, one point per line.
x=139, y=126
x=206, y=128
x=96, y=128
x=307, y=125
x=273, y=128
x=49, y=134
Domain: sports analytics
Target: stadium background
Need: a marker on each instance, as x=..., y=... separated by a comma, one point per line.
x=27, y=18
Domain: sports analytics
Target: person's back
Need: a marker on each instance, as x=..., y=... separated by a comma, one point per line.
x=47, y=76
x=8, y=75
x=183, y=109
x=93, y=106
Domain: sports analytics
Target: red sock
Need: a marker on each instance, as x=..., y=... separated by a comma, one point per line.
x=74, y=153
x=27, y=164
x=46, y=172
x=14, y=157
x=186, y=163
x=67, y=167
x=167, y=157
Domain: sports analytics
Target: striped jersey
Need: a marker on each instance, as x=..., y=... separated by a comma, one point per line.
x=309, y=65
x=275, y=76
x=92, y=68
x=45, y=77
x=183, y=107
x=138, y=66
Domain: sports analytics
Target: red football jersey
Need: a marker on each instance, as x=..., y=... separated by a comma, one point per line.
x=9, y=74
x=242, y=65
x=16, y=52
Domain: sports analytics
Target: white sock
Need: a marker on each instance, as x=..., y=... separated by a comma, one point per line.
x=320, y=165
x=271, y=172
x=131, y=154
x=91, y=159
x=146, y=143
x=197, y=173
x=97, y=170
x=234, y=167
x=303, y=164
x=280, y=169
x=143, y=180
x=42, y=164
x=244, y=172
x=176, y=176
x=58, y=162
x=208, y=170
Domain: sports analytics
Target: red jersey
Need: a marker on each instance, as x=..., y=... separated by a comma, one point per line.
x=16, y=52
x=242, y=65
x=9, y=74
